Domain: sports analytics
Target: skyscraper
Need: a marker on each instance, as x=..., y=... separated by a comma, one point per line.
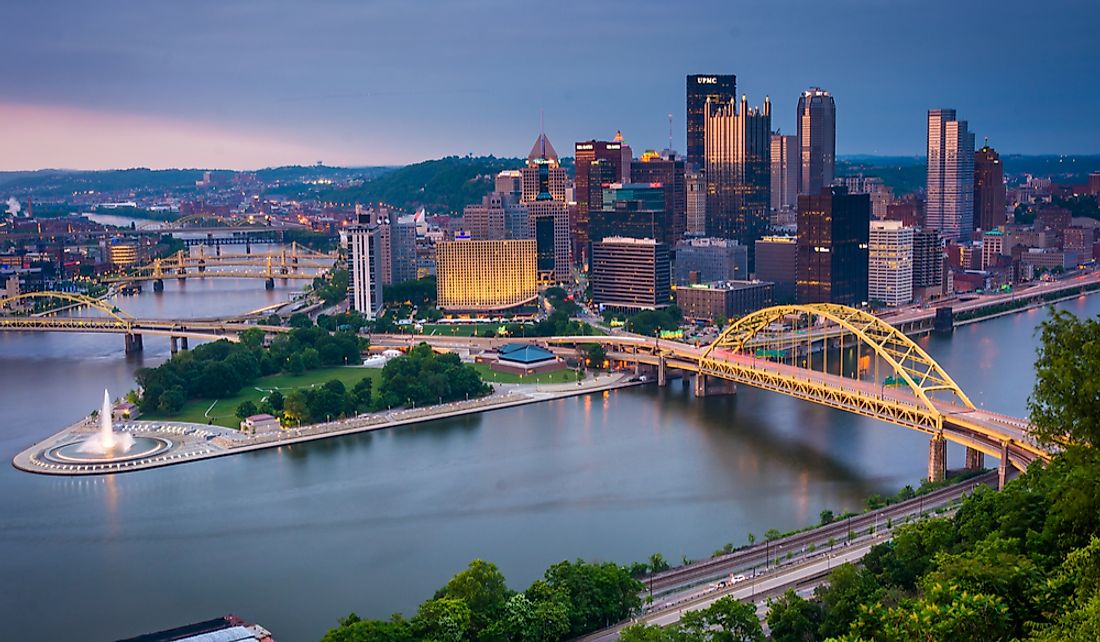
x=816, y=140
x=365, y=267
x=634, y=210
x=784, y=167
x=548, y=215
x=695, y=188
x=666, y=171
x=738, y=152
x=598, y=163
x=890, y=263
x=485, y=276
x=833, y=229
x=498, y=216
x=989, y=189
x=630, y=274
x=717, y=88
x=950, y=205
x=927, y=264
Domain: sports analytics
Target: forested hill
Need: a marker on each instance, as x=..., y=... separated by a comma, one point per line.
x=443, y=185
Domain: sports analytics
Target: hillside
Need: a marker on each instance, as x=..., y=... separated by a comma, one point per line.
x=443, y=185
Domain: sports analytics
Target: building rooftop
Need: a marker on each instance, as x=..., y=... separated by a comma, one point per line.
x=542, y=151
x=525, y=354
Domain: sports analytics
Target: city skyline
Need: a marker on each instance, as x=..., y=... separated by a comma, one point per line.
x=121, y=85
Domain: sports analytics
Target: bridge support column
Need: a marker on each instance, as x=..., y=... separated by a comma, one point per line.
x=158, y=285
x=133, y=343
x=706, y=386
x=183, y=343
x=1002, y=468
x=662, y=375
x=975, y=459
x=175, y=345
x=937, y=458
x=269, y=284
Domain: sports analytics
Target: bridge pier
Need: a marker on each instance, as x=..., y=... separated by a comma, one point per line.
x=975, y=459
x=269, y=284
x=1002, y=468
x=662, y=375
x=706, y=386
x=937, y=458
x=174, y=342
x=158, y=285
x=183, y=343
x=133, y=343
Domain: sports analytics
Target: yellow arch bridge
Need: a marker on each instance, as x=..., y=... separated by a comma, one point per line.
x=826, y=354
x=111, y=320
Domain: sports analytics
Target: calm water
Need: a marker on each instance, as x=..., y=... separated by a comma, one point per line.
x=295, y=538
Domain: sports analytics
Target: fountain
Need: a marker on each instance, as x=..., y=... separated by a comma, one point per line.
x=106, y=446
x=106, y=441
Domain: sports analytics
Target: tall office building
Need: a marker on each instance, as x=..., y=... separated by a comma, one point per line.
x=816, y=140
x=598, y=163
x=989, y=189
x=927, y=264
x=485, y=276
x=785, y=167
x=695, y=195
x=777, y=261
x=634, y=210
x=833, y=228
x=497, y=217
x=667, y=171
x=630, y=274
x=365, y=267
x=543, y=178
x=993, y=246
x=717, y=88
x=543, y=192
x=738, y=168
x=950, y=205
x=402, y=248
x=890, y=263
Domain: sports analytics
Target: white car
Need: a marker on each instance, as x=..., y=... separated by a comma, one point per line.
x=737, y=579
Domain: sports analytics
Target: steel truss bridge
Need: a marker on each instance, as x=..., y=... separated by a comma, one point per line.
x=826, y=354
x=299, y=262
x=111, y=320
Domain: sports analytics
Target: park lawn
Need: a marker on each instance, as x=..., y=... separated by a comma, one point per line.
x=492, y=376
x=224, y=411
x=459, y=330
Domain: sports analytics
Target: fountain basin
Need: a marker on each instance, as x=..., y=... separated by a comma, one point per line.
x=71, y=453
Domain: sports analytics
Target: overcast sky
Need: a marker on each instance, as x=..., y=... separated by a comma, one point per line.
x=245, y=84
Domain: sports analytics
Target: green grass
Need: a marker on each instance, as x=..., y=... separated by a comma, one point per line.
x=459, y=330
x=223, y=412
x=492, y=376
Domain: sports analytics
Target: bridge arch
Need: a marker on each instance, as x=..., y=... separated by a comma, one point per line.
x=909, y=361
x=79, y=299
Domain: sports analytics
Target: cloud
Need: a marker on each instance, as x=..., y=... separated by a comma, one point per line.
x=40, y=136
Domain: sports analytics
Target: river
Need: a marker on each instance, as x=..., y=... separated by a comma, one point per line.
x=297, y=537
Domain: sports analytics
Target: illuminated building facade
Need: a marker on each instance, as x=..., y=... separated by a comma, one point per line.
x=695, y=188
x=738, y=169
x=666, y=171
x=485, y=276
x=717, y=88
x=833, y=228
x=890, y=263
x=122, y=254
x=784, y=167
x=635, y=210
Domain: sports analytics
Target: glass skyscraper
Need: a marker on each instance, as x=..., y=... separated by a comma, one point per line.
x=950, y=205
x=718, y=88
x=816, y=140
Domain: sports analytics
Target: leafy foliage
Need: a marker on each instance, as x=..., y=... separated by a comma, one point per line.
x=422, y=377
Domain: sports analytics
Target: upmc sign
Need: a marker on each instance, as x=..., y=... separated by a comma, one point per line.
x=707, y=80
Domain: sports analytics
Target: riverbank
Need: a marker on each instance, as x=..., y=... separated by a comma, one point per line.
x=194, y=442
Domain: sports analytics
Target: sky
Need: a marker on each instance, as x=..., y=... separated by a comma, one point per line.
x=246, y=84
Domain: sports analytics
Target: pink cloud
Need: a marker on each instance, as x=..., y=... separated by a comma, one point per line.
x=36, y=136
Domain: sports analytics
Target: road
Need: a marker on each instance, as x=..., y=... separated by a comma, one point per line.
x=685, y=588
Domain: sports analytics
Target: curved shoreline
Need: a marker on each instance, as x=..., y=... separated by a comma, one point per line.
x=197, y=442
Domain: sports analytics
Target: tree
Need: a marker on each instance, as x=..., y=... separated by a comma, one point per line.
x=353, y=629
x=276, y=400
x=300, y=320
x=442, y=620
x=362, y=392
x=595, y=355
x=246, y=409
x=793, y=619
x=657, y=563
x=172, y=400
x=1065, y=403
x=295, y=409
x=942, y=613
x=772, y=534
x=598, y=594
x=642, y=632
x=848, y=588
x=294, y=365
x=481, y=586
x=726, y=620
x=752, y=539
x=827, y=517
